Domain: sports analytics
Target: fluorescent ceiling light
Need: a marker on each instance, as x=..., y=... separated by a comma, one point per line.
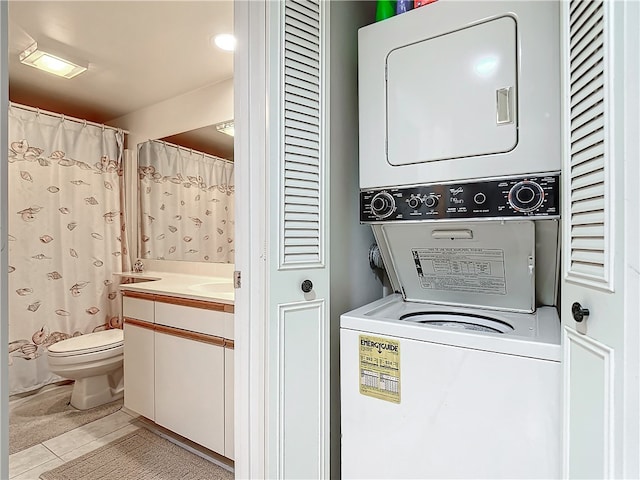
x=225, y=127
x=225, y=41
x=35, y=57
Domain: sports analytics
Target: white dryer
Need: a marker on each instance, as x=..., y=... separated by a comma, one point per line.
x=459, y=90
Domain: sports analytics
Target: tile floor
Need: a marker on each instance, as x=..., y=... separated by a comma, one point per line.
x=30, y=463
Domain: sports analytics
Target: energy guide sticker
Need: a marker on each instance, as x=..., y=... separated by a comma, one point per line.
x=380, y=368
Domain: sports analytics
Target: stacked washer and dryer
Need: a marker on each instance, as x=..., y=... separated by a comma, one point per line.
x=457, y=374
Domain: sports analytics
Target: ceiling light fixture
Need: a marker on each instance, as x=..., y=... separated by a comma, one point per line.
x=225, y=41
x=225, y=127
x=38, y=58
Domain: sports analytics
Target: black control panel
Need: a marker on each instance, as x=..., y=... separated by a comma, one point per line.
x=536, y=196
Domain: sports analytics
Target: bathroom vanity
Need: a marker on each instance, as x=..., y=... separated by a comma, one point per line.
x=178, y=356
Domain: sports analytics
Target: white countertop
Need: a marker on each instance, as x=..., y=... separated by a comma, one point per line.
x=198, y=287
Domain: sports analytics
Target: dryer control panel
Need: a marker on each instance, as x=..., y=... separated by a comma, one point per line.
x=533, y=196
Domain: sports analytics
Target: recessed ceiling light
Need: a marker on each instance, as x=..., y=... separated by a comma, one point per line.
x=225, y=127
x=225, y=41
x=38, y=58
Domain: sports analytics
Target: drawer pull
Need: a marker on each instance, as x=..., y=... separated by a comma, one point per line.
x=178, y=332
x=189, y=335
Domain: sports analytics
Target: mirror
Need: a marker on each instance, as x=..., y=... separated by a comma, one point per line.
x=206, y=139
x=186, y=197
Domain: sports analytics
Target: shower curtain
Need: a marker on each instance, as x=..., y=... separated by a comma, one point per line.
x=66, y=236
x=186, y=204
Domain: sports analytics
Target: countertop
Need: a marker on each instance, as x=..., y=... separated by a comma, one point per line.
x=198, y=287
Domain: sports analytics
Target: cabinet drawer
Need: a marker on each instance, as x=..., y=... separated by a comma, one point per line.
x=137, y=308
x=211, y=322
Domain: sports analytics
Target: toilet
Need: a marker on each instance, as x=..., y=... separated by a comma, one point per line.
x=95, y=362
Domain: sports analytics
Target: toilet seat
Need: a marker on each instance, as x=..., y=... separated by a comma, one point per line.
x=88, y=343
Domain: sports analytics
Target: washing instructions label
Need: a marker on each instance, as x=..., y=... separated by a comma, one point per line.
x=475, y=270
x=380, y=368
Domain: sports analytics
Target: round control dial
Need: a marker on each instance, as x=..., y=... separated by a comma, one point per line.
x=526, y=196
x=383, y=205
x=414, y=202
x=479, y=198
x=431, y=201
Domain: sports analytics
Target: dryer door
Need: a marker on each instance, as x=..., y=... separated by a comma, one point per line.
x=453, y=95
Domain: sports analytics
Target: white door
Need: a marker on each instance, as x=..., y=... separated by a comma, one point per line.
x=282, y=365
x=601, y=59
x=297, y=287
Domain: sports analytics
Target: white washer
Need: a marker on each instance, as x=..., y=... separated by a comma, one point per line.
x=432, y=391
x=458, y=374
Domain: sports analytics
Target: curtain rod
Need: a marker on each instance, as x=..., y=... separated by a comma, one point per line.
x=192, y=151
x=65, y=117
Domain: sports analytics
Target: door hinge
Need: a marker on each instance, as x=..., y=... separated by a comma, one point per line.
x=237, y=279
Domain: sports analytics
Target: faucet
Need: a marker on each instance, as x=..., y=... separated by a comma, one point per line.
x=138, y=267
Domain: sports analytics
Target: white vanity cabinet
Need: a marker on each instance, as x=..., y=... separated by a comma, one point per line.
x=186, y=371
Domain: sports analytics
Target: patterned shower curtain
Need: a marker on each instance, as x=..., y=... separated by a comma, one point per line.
x=66, y=237
x=186, y=204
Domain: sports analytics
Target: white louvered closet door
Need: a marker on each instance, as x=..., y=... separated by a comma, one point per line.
x=298, y=320
x=596, y=84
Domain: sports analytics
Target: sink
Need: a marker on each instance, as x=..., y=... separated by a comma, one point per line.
x=130, y=279
x=213, y=287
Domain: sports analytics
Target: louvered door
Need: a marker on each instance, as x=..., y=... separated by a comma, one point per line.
x=594, y=247
x=301, y=170
x=298, y=318
x=589, y=260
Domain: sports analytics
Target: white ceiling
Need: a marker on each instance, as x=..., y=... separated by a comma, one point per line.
x=139, y=53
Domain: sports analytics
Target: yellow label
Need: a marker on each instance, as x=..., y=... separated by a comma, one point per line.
x=380, y=368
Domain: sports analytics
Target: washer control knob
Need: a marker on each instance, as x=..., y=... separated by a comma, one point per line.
x=383, y=204
x=414, y=202
x=479, y=198
x=431, y=201
x=526, y=196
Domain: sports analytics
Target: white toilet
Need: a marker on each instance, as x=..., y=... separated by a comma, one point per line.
x=95, y=362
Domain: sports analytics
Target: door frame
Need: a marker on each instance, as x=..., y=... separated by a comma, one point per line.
x=4, y=311
x=251, y=153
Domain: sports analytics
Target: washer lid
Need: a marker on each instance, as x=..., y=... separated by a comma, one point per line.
x=489, y=264
x=88, y=343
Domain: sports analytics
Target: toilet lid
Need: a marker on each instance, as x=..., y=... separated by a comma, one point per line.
x=88, y=343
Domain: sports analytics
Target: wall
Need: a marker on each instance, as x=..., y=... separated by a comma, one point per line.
x=353, y=283
x=205, y=106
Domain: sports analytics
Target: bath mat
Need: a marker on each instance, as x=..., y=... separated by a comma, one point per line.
x=141, y=455
x=48, y=414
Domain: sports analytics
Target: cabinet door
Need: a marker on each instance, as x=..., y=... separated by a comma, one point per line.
x=139, y=369
x=228, y=403
x=189, y=390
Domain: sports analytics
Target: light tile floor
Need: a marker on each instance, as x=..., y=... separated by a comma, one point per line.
x=30, y=463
